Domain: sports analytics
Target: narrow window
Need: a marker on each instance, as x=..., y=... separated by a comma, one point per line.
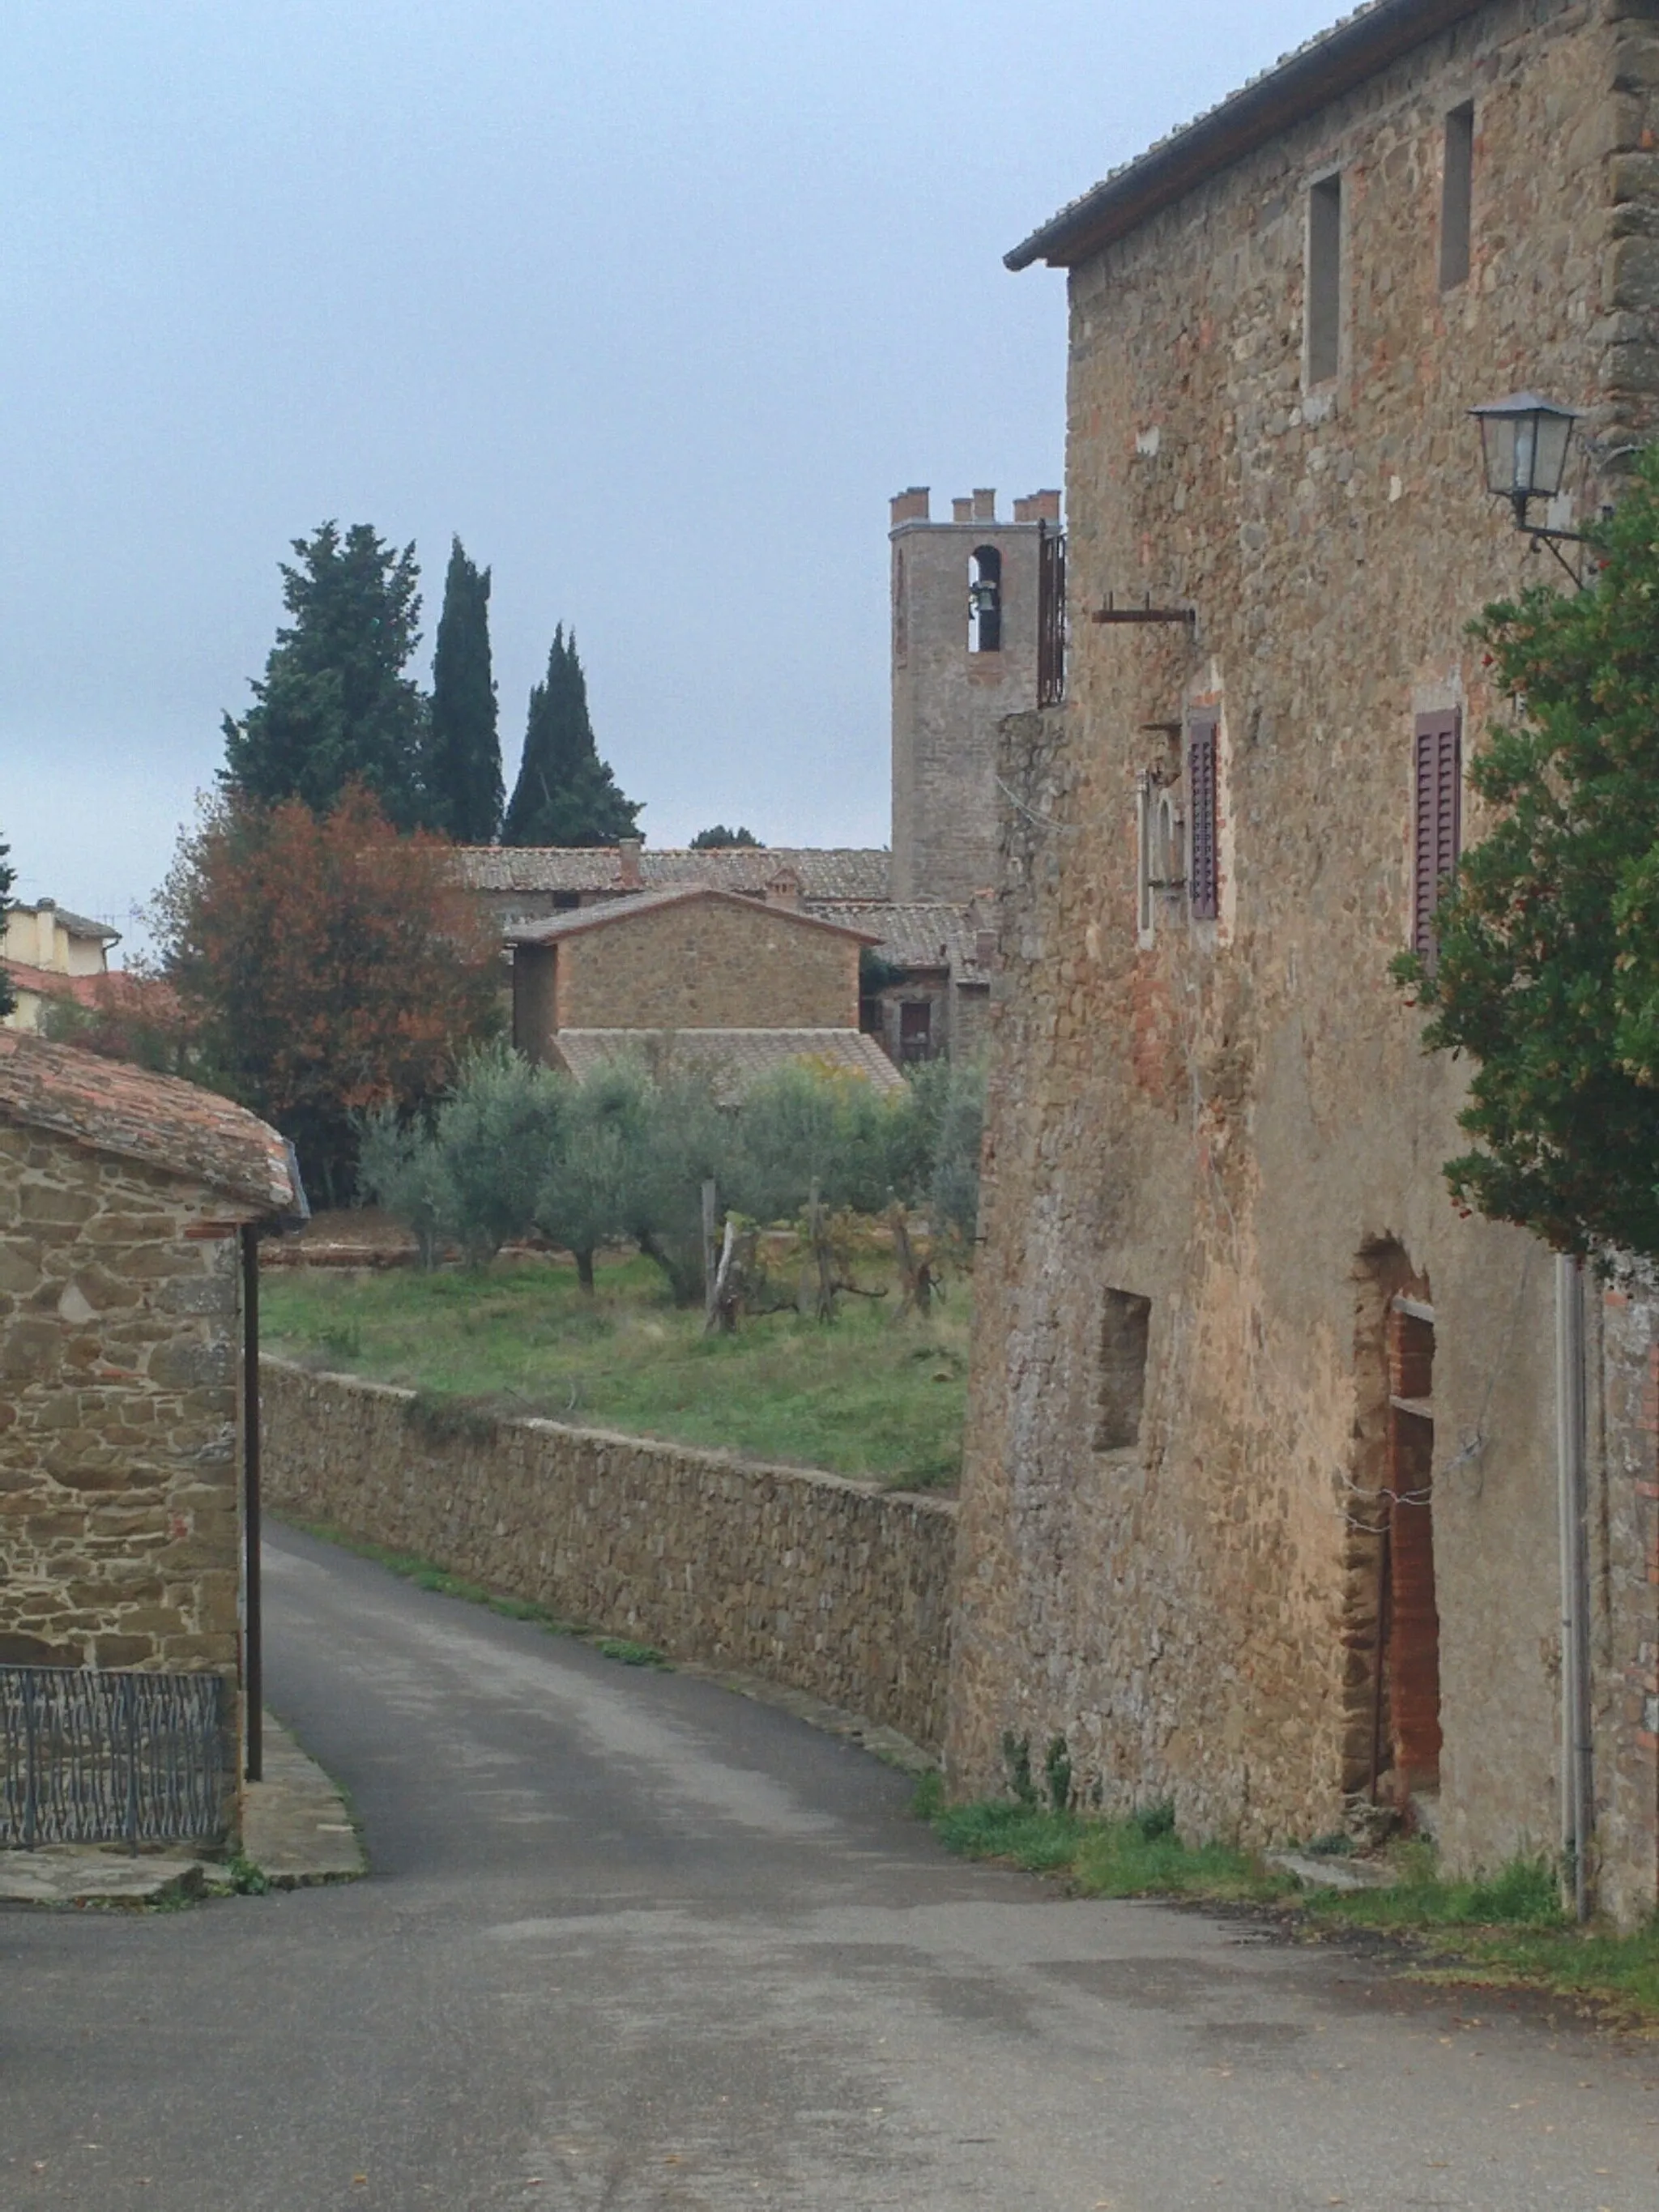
x=985, y=600
x=1324, y=287
x=1204, y=871
x=1146, y=831
x=1123, y=1330
x=1438, y=822
x=915, y=1029
x=901, y=611
x=1456, y=186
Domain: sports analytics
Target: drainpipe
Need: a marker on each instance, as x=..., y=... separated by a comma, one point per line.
x=1577, y=1811
x=253, y=1687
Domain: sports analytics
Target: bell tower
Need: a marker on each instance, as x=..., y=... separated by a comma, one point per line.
x=965, y=650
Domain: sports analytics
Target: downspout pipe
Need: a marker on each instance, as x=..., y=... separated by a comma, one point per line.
x=1577, y=1804
x=253, y=1671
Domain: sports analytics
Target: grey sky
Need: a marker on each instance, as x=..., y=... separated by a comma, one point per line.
x=654, y=303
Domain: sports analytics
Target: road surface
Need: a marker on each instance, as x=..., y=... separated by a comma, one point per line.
x=632, y=1944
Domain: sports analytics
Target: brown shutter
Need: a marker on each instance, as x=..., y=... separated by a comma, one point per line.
x=1204, y=877
x=1438, y=825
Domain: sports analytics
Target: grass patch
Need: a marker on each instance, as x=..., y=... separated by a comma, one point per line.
x=1141, y=1857
x=630, y=1653
x=868, y=1396
x=1507, y=1928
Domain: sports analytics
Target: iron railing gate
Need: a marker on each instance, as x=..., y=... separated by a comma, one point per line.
x=91, y=1756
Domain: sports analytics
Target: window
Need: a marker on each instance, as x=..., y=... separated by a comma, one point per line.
x=1324, y=283
x=1123, y=1329
x=985, y=600
x=915, y=1029
x=1456, y=188
x=901, y=611
x=1437, y=824
x=1204, y=871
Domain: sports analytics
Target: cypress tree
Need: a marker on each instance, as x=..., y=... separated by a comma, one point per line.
x=334, y=706
x=565, y=793
x=464, y=767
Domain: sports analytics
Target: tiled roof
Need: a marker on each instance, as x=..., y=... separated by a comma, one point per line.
x=1299, y=84
x=111, y=1106
x=826, y=873
x=617, y=913
x=76, y=925
x=734, y=1059
x=921, y=935
x=115, y=991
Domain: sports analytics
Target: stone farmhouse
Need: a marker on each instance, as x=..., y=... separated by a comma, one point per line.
x=715, y=978
x=965, y=654
x=1287, y=1489
x=127, y=1201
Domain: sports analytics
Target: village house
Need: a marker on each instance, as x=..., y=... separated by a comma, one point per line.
x=50, y=953
x=966, y=650
x=735, y=984
x=1281, y=1478
x=127, y=1204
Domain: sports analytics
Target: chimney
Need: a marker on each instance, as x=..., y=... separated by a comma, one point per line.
x=911, y=506
x=627, y=862
x=985, y=506
x=1041, y=506
x=962, y=510
x=985, y=948
x=783, y=889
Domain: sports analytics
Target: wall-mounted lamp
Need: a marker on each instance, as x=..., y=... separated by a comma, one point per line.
x=1523, y=443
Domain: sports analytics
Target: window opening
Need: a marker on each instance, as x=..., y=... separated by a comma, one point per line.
x=985, y=599
x=1324, y=278
x=915, y=1029
x=1124, y=1327
x=1436, y=833
x=901, y=613
x=1204, y=872
x=1456, y=195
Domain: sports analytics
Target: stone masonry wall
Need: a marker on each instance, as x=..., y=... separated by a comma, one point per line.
x=120, y=1345
x=808, y=1580
x=1232, y=1120
x=708, y=963
x=1624, y=1546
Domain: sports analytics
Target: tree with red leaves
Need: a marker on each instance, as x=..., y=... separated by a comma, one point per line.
x=328, y=965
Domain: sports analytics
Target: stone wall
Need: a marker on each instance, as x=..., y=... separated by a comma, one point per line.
x=119, y=1354
x=708, y=963
x=1231, y=1120
x=822, y=1584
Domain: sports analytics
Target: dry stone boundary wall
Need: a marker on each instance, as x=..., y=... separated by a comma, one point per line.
x=803, y=1578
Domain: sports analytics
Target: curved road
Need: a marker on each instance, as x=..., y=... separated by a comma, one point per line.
x=632, y=1943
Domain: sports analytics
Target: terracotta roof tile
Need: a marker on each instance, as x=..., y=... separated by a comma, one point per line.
x=614, y=913
x=921, y=935
x=735, y=1060
x=828, y=873
x=174, y=1127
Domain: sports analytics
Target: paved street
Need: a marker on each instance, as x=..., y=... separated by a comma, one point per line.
x=631, y=1941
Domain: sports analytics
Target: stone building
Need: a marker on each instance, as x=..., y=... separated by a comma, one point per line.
x=1277, y=1471
x=122, y=1196
x=964, y=655
x=732, y=982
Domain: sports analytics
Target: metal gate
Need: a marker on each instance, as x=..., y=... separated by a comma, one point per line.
x=101, y=1757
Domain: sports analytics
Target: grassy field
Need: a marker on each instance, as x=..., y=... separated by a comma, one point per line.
x=1506, y=1932
x=867, y=1396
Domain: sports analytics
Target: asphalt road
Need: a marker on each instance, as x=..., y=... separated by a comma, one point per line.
x=631, y=1941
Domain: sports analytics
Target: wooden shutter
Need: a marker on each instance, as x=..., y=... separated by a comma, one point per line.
x=1204, y=876
x=1438, y=827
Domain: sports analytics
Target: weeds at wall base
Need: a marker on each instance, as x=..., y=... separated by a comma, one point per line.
x=1506, y=1930
x=427, y=1575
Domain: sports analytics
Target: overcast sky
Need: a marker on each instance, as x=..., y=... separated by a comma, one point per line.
x=654, y=301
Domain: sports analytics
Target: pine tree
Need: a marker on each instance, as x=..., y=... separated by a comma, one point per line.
x=7, y=996
x=565, y=795
x=334, y=706
x=720, y=839
x=463, y=766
